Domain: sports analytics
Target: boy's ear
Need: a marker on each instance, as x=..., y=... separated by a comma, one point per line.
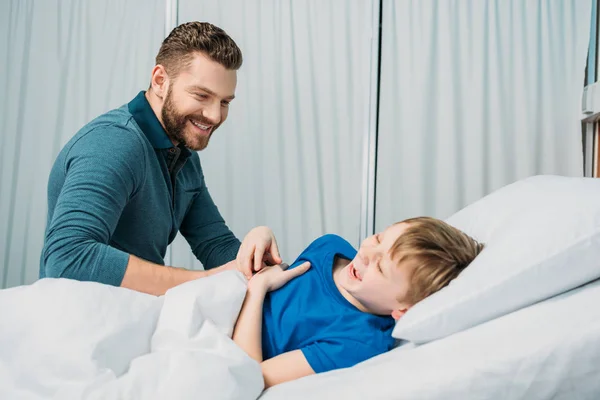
x=397, y=314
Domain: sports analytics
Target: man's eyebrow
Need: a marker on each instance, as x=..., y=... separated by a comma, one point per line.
x=207, y=90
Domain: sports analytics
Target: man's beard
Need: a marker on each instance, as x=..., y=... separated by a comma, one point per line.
x=175, y=126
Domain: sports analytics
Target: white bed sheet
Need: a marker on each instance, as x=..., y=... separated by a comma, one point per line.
x=62, y=339
x=550, y=350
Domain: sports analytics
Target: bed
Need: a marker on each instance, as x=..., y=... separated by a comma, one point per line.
x=521, y=322
x=550, y=350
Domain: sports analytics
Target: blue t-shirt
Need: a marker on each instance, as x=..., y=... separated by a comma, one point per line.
x=310, y=314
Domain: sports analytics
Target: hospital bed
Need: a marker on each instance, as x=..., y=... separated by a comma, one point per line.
x=521, y=322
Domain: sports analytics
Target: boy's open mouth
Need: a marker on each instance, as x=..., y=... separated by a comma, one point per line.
x=353, y=272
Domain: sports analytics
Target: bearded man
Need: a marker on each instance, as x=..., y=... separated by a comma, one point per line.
x=128, y=181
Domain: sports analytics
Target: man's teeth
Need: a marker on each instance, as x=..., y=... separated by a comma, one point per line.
x=203, y=127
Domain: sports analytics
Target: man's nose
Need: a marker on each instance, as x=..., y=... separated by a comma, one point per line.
x=213, y=113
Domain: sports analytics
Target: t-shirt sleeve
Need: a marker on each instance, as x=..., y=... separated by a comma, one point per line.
x=324, y=244
x=333, y=354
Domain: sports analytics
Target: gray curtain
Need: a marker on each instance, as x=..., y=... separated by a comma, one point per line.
x=63, y=62
x=476, y=95
x=290, y=154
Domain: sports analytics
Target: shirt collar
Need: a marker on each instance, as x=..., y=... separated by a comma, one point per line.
x=146, y=119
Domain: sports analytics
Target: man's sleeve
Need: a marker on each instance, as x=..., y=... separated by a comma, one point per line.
x=102, y=171
x=203, y=227
x=327, y=355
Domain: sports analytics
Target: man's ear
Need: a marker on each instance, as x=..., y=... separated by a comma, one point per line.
x=160, y=81
x=397, y=314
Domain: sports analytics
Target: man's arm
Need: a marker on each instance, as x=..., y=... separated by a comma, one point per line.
x=155, y=279
x=248, y=329
x=102, y=170
x=204, y=228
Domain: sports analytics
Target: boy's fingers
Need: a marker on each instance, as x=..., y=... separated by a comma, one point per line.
x=299, y=270
x=284, y=266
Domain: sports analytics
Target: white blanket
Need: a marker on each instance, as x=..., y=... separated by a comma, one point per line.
x=62, y=339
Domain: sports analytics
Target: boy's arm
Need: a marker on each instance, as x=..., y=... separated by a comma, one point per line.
x=248, y=329
x=285, y=367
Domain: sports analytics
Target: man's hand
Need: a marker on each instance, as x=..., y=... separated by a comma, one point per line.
x=258, y=250
x=272, y=278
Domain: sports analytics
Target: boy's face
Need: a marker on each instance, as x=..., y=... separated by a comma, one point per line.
x=374, y=280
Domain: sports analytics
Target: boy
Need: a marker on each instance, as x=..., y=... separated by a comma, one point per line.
x=342, y=306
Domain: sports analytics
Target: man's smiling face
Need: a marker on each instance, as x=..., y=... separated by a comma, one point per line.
x=197, y=102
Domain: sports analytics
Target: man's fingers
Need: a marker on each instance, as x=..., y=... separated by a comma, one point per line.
x=269, y=260
x=274, y=251
x=247, y=262
x=258, y=258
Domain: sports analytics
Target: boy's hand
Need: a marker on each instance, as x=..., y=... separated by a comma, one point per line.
x=272, y=278
x=258, y=250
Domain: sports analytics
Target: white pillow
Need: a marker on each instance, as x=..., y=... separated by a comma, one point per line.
x=542, y=237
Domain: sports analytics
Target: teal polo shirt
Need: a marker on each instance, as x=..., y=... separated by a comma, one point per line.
x=120, y=187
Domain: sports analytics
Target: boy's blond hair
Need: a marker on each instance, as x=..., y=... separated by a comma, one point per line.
x=437, y=253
